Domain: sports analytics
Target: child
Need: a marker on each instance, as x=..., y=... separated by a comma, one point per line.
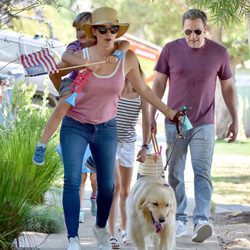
x=63, y=107
x=92, y=176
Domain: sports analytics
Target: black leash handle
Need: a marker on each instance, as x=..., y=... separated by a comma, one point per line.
x=177, y=119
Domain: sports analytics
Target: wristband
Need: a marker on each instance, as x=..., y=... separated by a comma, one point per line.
x=145, y=146
x=118, y=54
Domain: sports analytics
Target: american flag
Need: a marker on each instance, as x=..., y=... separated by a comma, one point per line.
x=39, y=63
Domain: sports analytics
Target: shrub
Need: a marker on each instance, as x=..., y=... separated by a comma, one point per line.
x=22, y=184
x=45, y=219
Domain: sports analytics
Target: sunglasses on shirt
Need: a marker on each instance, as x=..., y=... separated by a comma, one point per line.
x=189, y=32
x=103, y=29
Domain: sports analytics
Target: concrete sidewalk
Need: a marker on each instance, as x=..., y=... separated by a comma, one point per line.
x=87, y=239
x=88, y=242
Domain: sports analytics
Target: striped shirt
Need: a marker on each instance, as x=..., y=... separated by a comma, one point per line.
x=127, y=116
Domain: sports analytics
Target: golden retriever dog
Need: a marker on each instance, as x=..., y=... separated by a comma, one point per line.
x=151, y=214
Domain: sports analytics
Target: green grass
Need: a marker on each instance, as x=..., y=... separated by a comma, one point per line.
x=231, y=172
x=236, y=148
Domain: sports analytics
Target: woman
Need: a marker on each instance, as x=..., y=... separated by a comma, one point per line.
x=93, y=122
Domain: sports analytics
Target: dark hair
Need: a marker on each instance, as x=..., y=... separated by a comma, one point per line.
x=194, y=14
x=83, y=16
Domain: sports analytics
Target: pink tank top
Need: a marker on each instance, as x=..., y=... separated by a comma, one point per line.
x=97, y=102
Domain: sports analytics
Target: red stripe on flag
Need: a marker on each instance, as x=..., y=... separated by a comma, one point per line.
x=32, y=60
x=50, y=60
x=43, y=58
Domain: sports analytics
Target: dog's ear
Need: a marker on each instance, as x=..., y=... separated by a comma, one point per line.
x=142, y=203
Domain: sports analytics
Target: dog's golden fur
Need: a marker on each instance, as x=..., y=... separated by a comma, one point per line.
x=151, y=213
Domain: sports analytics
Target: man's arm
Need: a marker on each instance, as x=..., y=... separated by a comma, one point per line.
x=159, y=87
x=229, y=95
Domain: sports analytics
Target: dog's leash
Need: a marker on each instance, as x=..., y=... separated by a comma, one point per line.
x=180, y=120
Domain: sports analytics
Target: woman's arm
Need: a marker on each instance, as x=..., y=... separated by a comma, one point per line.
x=133, y=75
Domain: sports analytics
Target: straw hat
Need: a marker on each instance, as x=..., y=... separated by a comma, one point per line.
x=102, y=16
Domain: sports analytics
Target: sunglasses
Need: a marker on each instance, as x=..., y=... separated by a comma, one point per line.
x=103, y=29
x=189, y=32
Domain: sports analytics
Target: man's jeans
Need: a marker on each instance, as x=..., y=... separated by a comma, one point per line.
x=102, y=139
x=201, y=145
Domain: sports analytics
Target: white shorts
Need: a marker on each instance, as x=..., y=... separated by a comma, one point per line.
x=125, y=154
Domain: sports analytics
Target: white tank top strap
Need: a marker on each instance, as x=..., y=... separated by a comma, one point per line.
x=85, y=53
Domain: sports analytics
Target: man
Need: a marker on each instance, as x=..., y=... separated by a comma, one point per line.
x=191, y=65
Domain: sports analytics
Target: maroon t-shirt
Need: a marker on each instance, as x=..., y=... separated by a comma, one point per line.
x=192, y=77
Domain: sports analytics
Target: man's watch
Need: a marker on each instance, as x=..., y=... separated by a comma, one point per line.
x=145, y=146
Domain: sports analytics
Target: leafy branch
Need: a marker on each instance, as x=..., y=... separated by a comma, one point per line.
x=223, y=12
x=12, y=8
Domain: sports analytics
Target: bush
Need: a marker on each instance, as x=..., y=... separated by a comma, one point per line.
x=45, y=219
x=22, y=184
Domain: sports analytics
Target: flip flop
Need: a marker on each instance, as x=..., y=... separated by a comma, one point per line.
x=123, y=236
x=114, y=243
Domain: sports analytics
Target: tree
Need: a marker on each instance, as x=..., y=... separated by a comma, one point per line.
x=226, y=13
x=12, y=8
x=156, y=21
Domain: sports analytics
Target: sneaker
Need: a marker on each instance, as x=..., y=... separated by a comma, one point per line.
x=180, y=228
x=81, y=216
x=38, y=157
x=93, y=207
x=102, y=237
x=202, y=231
x=74, y=244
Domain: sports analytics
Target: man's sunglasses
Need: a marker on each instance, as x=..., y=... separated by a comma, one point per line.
x=189, y=32
x=103, y=29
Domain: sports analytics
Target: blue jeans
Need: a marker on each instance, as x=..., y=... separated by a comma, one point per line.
x=201, y=144
x=102, y=139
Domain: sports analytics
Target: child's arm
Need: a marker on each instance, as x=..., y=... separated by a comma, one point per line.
x=76, y=58
x=56, y=78
x=73, y=58
x=122, y=48
x=146, y=131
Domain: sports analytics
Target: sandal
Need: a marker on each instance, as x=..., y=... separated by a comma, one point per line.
x=123, y=236
x=114, y=243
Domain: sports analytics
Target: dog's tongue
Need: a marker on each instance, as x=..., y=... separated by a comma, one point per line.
x=158, y=227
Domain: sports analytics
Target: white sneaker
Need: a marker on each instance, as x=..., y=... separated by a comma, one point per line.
x=180, y=228
x=81, y=216
x=102, y=237
x=202, y=231
x=74, y=244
